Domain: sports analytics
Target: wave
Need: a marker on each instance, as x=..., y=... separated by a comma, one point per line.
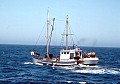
x=32, y=63
x=101, y=71
x=93, y=70
x=87, y=69
x=28, y=63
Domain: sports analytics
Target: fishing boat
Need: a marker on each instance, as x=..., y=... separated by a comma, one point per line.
x=68, y=57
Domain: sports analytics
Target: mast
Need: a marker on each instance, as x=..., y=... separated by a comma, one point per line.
x=67, y=32
x=47, y=33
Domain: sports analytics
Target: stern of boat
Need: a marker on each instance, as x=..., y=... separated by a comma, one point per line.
x=90, y=61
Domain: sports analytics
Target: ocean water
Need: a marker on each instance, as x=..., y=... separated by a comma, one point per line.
x=16, y=66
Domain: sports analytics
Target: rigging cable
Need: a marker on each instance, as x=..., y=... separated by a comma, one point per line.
x=75, y=35
x=71, y=35
x=39, y=36
x=62, y=40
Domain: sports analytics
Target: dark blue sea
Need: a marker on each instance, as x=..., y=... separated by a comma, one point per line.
x=16, y=67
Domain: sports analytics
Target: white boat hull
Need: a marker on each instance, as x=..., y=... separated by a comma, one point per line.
x=90, y=61
x=86, y=61
x=53, y=62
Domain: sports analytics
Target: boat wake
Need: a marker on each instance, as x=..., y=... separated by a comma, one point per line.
x=93, y=70
x=87, y=69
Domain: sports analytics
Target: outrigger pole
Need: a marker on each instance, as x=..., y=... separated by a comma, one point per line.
x=47, y=34
x=67, y=32
x=48, y=37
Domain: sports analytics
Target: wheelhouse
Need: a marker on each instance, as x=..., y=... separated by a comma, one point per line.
x=70, y=54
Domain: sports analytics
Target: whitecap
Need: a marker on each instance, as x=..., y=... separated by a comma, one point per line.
x=92, y=69
x=28, y=63
x=69, y=81
x=38, y=64
x=97, y=70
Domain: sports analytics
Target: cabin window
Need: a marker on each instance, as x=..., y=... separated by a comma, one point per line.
x=67, y=52
x=71, y=55
x=64, y=52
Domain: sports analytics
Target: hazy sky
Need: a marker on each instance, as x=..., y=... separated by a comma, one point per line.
x=94, y=22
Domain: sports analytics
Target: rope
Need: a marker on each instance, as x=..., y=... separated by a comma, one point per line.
x=39, y=36
x=75, y=36
x=71, y=36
